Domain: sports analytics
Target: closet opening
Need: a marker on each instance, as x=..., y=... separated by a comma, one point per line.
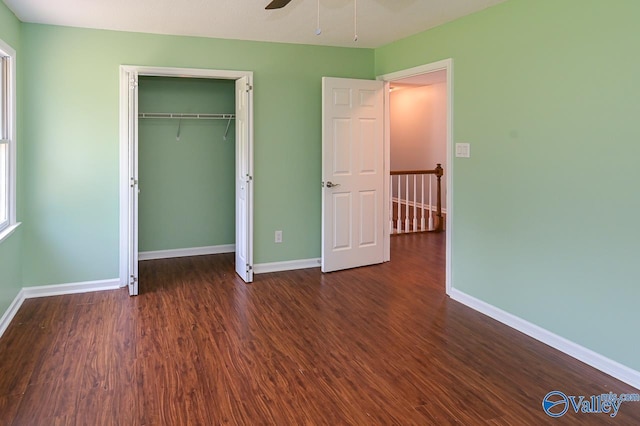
x=186, y=167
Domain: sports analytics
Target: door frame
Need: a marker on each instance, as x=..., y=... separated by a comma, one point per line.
x=124, y=156
x=447, y=66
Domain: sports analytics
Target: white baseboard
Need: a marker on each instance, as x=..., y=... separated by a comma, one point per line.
x=72, y=288
x=11, y=312
x=594, y=359
x=184, y=252
x=291, y=265
x=53, y=290
x=418, y=205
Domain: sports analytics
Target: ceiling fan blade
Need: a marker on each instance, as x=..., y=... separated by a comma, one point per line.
x=277, y=4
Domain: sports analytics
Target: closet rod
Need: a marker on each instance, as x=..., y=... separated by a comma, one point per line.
x=187, y=116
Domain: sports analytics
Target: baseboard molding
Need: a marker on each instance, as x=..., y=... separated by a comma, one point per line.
x=418, y=205
x=594, y=359
x=72, y=288
x=53, y=290
x=11, y=311
x=291, y=265
x=184, y=252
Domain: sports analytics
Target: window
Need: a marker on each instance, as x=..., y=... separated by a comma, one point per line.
x=7, y=137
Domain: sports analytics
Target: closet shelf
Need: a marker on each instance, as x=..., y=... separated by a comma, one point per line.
x=186, y=116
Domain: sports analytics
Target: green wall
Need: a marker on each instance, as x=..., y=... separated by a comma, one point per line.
x=10, y=269
x=545, y=221
x=187, y=196
x=11, y=247
x=9, y=27
x=71, y=144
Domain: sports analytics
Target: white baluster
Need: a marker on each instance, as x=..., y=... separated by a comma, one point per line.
x=391, y=205
x=406, y=219
x=415, y=206
x=422, y=222
x=399, y=198
x=430, y=209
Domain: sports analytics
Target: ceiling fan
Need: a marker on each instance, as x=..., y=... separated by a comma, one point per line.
x=277, y=4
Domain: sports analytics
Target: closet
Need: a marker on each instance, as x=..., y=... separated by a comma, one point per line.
x=186, y=163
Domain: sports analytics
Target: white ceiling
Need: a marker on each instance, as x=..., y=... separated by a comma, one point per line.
x=379, y=21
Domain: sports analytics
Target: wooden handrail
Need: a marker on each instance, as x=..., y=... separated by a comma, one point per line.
x=438, y=172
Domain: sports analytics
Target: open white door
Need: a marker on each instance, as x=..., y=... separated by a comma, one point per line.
x=352, y=173
x=244, y=177
x=132, y=246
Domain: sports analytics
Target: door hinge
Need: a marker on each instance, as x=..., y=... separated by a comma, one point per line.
x=249, y=88
x=134, y=182
x=133, y=280
x=133, y=83
x=249, y=268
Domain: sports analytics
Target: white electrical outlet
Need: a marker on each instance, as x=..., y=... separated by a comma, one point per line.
x=278, y=236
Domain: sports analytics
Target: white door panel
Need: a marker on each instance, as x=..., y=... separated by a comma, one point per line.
x=368, y=218
x=132, y=246
x=244, y=183
x=352, y=173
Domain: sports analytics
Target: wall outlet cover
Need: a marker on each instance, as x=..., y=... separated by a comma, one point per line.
x=463, y=150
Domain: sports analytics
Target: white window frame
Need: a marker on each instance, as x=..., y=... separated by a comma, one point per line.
x=8, y=134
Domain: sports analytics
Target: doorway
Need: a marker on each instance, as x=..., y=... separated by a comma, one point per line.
x=436, y=82
x=186, y=162
x=129, y=162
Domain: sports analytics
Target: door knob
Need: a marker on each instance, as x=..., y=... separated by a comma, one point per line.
x=332, y=185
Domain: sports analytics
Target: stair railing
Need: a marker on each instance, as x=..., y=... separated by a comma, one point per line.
x=407, y=209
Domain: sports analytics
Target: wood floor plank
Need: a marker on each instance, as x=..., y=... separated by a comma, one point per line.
x=9, y=405
x=375, y=345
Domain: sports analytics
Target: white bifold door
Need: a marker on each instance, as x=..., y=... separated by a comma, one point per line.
x=243, y=169
x=244, y=181
x=134, y=190
x=352, y=173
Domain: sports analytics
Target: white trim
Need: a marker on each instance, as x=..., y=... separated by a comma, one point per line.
x=420, y=69
x=13, y=142
x=124, y=149
x=449, y=177
x=124, y=177
x=4, y=234
x=415, y=204
x=447, y=65
x=186, y=72
x=291, y=265
x=589, y=357
x=386, y=214
x=11, y=312
x=185, y=252
x=72, y=288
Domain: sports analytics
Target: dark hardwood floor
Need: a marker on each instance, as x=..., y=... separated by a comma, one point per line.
x=381, y=345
